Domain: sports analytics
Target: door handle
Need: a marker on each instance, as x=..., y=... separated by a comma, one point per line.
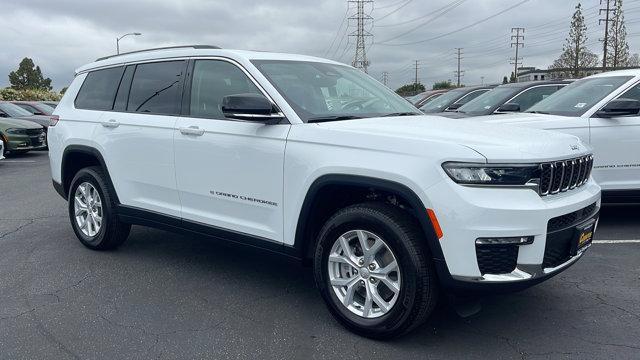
x=191, y=130
x=110, y=124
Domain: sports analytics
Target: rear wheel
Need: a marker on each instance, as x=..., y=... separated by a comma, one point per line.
x=92, y=211
x=374, y=271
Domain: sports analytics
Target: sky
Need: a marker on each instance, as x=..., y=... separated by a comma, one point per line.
x=62, y=35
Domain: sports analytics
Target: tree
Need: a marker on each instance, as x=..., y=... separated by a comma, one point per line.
x=505, y=80
x=575, y=54
x=513, y=77
x=443, y=85
x=410, y=89
x=28, y=76
x=634, y=60
x=618, y=51
x=63, y=90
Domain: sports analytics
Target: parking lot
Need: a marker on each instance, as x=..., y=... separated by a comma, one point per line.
x=163, y=295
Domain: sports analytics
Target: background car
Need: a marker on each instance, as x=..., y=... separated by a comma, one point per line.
x=53, y=104
x=35, y=107
x=20, y=136
x=604, y=111
x=428, y=96
x=454, y=99
x=9, y=110
x=515, y=97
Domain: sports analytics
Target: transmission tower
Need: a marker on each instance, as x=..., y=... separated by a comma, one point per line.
x=606, y=10
x=360, y=59
x=517, y=41
x=459, y=72
x=415, y=82
x=385, y=78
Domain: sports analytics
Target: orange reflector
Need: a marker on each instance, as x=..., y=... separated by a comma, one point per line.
x=435, y=223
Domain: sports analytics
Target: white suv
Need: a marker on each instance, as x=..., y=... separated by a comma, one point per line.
x=316, y=160
x=604, y=111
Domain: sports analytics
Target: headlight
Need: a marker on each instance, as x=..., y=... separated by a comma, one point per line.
x=17, y=131
x=488, y=174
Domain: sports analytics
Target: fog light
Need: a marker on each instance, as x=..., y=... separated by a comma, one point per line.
x=519, y=240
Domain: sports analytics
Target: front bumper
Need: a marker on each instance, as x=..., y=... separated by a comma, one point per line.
x=26, y=142
x=467, y=213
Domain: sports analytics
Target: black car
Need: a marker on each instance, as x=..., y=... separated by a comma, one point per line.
x=454, y=99
x=515, y=97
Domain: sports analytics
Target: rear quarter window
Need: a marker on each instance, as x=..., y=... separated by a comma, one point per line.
x=99, y=88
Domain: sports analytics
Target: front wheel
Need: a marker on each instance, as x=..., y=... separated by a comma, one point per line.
x=374, y=270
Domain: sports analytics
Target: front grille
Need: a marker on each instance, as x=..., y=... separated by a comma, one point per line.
x=570, y=219
x=564, y=175
x=34, y=132
x=497, y=259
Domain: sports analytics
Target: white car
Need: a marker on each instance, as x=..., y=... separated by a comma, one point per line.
x=316, y=160
x=604, y=111
x=1, y=149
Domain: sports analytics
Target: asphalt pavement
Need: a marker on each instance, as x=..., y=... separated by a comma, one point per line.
x=169, y=296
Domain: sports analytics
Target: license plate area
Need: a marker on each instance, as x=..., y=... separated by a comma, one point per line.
x=583, y=236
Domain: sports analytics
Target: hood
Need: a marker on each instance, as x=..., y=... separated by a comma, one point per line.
x=452, y=114
x=497, y=143
x=39, y=119
x=537, y=121
x=8, y=123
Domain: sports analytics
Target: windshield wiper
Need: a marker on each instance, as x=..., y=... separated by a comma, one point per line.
x=402, y=114
x=537, y=112
x=333, y=118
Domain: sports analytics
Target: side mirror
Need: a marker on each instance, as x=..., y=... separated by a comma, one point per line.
x=509, y=107
x=38, y=113
x=251, y=107
x=454, y=107
x=619, y=107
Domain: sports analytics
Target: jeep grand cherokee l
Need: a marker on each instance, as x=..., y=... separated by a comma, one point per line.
x=316, y=160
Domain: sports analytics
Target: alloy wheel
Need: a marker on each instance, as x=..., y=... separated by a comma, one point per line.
x=88, y=209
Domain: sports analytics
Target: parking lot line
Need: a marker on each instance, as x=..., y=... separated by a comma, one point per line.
x=17, y=161
x=630, y=241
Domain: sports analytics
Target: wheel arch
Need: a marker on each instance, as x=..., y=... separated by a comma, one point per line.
x=308, y=225
x=77, y=157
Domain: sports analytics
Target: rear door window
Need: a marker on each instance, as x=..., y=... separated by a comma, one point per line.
x=156, y=88
x=99, y=89
x=533, y=96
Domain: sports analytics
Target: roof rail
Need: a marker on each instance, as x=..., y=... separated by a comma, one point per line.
x=161, y=48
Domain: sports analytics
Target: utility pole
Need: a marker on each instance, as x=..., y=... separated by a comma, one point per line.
x=459, y=72
x=385, y=78
x=481, y=80
x=415, y=82
x=360, y=59
x=607, y=9
x=517, y=41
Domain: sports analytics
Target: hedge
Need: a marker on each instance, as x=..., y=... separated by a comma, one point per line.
x=10, y=94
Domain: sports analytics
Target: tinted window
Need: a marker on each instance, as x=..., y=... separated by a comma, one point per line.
x=99, y=89
x=156, y=88
x=29, y=108
x=213, y=80
x=633, y=93
x=578, y=97
x=533, y=96
x=123, y=91
x=442, y=102
x=470, y=96
x=12, y=110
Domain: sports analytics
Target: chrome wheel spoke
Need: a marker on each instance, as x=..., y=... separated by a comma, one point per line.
x=364, y=273
x=88, y=209
x=378, y=300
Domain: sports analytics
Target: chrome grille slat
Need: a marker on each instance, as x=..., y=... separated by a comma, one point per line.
x=560, y=176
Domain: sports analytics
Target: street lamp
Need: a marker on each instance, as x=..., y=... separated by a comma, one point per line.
x=123, y=36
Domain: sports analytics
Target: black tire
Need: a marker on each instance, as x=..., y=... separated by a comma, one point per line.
x=112, y=232
x=419, y=290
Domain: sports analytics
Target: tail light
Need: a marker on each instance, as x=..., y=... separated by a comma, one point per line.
x=54, y=120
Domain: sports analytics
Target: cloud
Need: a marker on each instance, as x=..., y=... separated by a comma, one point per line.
x=63, y=35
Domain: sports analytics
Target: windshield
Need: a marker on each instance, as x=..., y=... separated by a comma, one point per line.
x=577, y=98
x=46, y=107
x=320, y=91
x=443, y=101
x=488, y=102
x=14, y=110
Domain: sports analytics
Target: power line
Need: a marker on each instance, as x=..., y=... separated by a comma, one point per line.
x=607, y=10
x=423, y=16
x=462, y=28
x=395, y=10
x=360, y=59
x=344, y=19
x=517, y=44
x=459, y=72
x=435, y=15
